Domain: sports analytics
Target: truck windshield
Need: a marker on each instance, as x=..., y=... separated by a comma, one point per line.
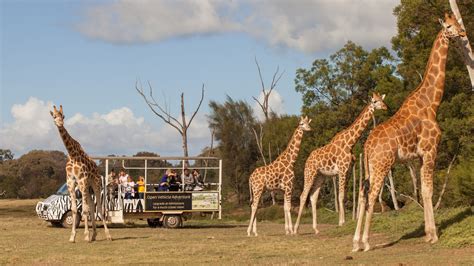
x=62, y=190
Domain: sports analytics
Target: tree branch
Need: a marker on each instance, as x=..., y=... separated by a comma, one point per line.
x=199, y=106
x=157, y=113
x=463, y=42
x=438, y=203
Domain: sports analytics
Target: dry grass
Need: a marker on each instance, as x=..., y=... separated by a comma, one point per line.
x=25, y=239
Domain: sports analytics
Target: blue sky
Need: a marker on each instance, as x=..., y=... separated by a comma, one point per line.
x=87, y=55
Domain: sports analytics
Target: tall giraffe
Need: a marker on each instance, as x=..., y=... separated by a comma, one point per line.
x=83, y=172
x=335, y=159
x=277, y=175
x=412, y=132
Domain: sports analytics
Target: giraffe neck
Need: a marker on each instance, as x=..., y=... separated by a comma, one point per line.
x=73, y=147
x=291, y=152
x=430, y=92
x=351, y=134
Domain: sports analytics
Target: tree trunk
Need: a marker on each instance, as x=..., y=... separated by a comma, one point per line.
x=414, y=181
x=335, y=193
x=382, y=207
x=438, y=203
x=185, y=132
x=392, y=191
x=360, y=183
x=354, y=191
x=463, y=42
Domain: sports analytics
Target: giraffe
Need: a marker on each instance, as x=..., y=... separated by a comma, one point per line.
x=277, y=175
x=412, y=132
x=83, y=172
x=335, y=159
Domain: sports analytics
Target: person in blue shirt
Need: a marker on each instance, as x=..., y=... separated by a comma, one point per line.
x=165, y=181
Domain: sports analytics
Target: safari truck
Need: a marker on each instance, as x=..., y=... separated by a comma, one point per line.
x=159, y=208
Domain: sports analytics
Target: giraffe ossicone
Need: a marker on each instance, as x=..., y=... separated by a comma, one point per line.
x=277, y=175
x=82, y=172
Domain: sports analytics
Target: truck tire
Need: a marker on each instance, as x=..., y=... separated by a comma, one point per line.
x=172, y=221
x=67, y=221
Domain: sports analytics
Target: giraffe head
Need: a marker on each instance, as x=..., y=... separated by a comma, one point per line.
x=58, y=115
x=304, y=123
x=452, y=27
x=376, y=101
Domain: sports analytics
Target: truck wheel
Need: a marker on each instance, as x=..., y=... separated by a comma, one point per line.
x=172, y=221
x=67, y=221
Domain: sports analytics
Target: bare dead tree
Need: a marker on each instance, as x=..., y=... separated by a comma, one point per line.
x=446, y=178
x=463, y=44
x=264, y=105
x=165, y=115
x=259, y=140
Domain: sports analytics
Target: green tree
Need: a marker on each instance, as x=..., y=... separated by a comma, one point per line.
x=35, y=174
x=232, y=122
x=418, y=26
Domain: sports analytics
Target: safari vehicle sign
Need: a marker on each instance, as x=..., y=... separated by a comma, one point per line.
x=182, y=201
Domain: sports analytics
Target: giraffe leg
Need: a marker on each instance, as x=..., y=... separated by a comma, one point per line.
x=287, y=208
x=85, y=212
x=361, y=208
x=253, y=219
x=314, y=202
x=308, y=183
x=342, y=189
x=92, y=207
x=71, y=185
x=101, y=212
x=427, y=193
x=375, y=186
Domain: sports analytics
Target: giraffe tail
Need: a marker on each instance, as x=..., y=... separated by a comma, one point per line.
x=366, y=183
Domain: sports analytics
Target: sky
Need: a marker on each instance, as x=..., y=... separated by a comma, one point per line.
x=88, y=56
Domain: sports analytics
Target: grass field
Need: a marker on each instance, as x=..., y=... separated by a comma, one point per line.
x=25, y=239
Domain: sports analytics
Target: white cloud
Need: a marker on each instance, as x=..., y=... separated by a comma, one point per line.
x=150, y=20
x=275, y=103
x=116, y=132
x=308, y=26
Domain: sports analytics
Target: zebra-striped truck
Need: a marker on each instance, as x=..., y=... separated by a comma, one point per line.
x=167, y=208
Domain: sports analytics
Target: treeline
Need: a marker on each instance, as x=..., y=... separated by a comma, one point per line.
x=33, y=175
x=336, y=89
